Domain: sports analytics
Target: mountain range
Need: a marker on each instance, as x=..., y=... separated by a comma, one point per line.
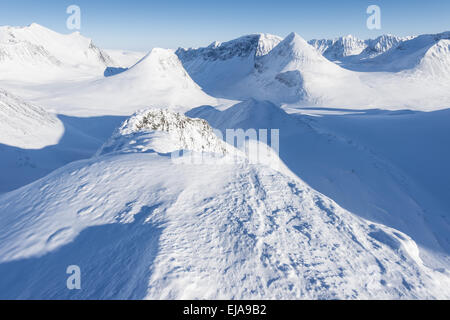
x=119, y=162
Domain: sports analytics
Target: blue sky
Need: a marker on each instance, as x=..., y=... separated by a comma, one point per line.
x=141, y=25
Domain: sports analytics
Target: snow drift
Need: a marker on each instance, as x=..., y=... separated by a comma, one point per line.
x=221, y=231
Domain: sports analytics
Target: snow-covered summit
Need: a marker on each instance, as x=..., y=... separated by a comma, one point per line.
x=350, y=47
x=254, y=44
x=218, y=67
x=164, y=131
x=295, y=53
x=35, y=47
x=165, y=230
x=340, y=47
x=414, y=54
x=158, y=79
x=382, y=44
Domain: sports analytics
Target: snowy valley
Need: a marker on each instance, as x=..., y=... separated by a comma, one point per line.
x=350, y=202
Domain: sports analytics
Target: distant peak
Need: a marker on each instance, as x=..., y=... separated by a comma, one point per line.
x=294, y=37
x=36, y=26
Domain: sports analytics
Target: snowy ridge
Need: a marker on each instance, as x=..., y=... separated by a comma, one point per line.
x=179, y=133
x=404, y=53
x=158, y=79
x=436, y=61
x=26, y=126
x=254, y=44
x=218, y=67
x=340, y=47
x=222, y=231
x=295, y=72
x=353, y=49
x=33, y=47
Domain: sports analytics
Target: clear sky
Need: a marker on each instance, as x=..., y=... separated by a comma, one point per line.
x=141, y=25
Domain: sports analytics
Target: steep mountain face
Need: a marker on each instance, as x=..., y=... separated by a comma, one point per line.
x=217, y=67
x=350, y=48
x=399, y=54
x=26, y=126
x=382, y=44
x=25, y=50
x=229, y=230
x=338, y=48
x=295, y=72
x=291, y=72
x=436, y=61
x=158, y=79
x=255, y=44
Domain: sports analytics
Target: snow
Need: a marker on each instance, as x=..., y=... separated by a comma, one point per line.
x=115, y=161
x=125, y=58
x=26, y=126
x=158, y=79
x=297, y=74
x=26, y=51
x=219, y=231
x=368, y=162
x=219, y=66
x=351, y=49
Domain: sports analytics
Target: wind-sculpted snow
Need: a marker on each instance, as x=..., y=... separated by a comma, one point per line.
x=368, y=162
x=141, y=226
x=26, y=126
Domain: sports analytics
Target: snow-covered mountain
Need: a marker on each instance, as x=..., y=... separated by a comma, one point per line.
x=354, y=49
x=125, y=58
x=290, y=72
x=217, y=67
x=338, y=48
x=175, y=132
x=427, y=53
x=158, y=79
x=31, y=50
x=295, y=72
x=354, y=206
x=26, y=126
x=182, y=231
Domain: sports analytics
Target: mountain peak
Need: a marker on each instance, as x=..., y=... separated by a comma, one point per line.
x=164, y=131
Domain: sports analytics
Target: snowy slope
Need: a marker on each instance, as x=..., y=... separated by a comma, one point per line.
x=124, y=58
x=339, y=48
x=26, y=126
x=295, y=72
x=184, y=231
x=382, y=166
x=405, y=55
x=217, y=67
x=291, y=72
x=158, y=79
x=351, y=49
x=37, y=52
